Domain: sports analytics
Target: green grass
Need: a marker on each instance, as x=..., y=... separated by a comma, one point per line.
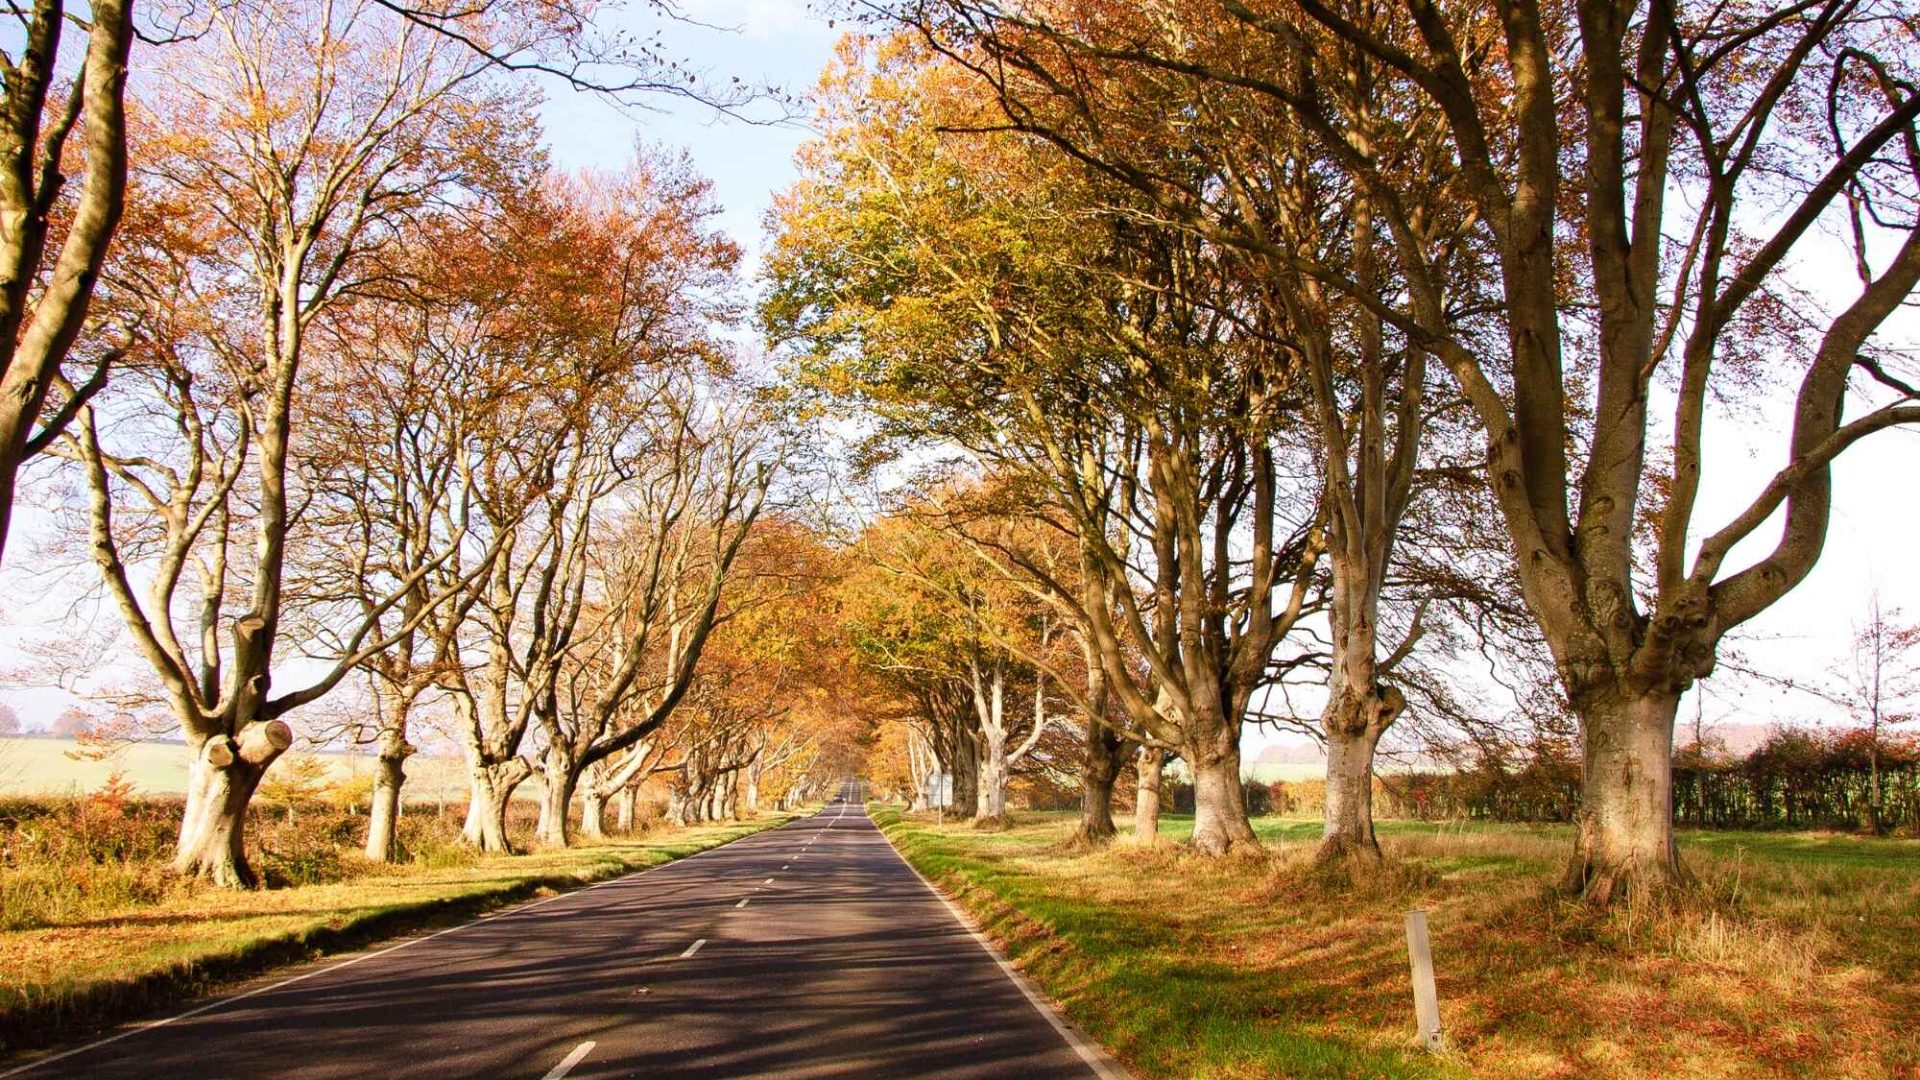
x=1799, y=958
x=57, y=981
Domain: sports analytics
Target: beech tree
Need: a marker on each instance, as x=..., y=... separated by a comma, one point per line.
x=1615, y=160
x=54, y=243
x=420, y=396
x=280, y=184
x=1104, y=357
x=697, y=488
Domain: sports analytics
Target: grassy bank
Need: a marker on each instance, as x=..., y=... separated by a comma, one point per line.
x=1801, y=959
x=62, y=976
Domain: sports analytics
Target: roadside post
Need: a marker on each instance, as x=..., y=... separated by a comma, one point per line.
x=1426, y=999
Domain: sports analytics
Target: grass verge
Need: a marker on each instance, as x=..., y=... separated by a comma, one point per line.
x=61, y=982
x=1799, y=958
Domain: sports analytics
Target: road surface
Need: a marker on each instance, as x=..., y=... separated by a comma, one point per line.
x=807, y=951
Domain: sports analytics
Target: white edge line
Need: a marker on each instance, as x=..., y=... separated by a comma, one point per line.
x=567, y=1063
x=488, y=918
x=1096, y=1058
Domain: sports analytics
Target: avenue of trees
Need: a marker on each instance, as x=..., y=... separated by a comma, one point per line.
x=1265, y=314
x=369, y=395
x=1224, y=362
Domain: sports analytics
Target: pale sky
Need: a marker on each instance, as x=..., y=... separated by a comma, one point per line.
x=1876, y=521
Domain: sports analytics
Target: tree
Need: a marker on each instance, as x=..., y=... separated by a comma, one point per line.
x=283, y=180
x=53, y=245
x=1615, y=160
x=1881, y=686
x=1101, y=356
x=71, y=723
x=632, y=621
x=9, y=720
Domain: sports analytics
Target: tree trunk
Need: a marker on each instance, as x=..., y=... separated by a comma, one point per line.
x=383, y=815
x=991, y=794
x=488, y=797
x=555, y=798
x=623, y=805
x=593, y=813
x=1146, y=799
x=221, y=779
x=1220, y=822
x=966, y=773
x=1625, y=844
x=1098, y=772
x=1353, y=724
x=1876, y=814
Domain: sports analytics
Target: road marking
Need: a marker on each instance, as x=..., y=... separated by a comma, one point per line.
x=743, y=901
x=490, y=919
x=789, y=866
x=567, y=1063
x=693, y=948
x=769, y=881
x=1102, y=1065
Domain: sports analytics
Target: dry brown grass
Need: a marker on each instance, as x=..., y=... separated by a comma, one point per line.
x=1795, y=957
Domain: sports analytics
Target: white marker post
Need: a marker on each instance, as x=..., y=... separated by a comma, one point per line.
x=1426, y=999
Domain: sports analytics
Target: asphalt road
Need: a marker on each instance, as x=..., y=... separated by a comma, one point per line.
x=811, y=950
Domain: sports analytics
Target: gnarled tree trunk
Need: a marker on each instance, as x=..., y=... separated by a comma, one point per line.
x=1151, y=762
x=1353, y=724
x=221, y=778
x=1220, y=822
x=1625, y=842
x=383, y=815
x=623, y=804
x=593, y=811
x=556, y=796
x=1098, y=771
x=490, y=791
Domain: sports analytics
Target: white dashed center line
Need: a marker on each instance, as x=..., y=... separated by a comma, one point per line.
x=691, y=949
x=567, y=1063
x=743, y=901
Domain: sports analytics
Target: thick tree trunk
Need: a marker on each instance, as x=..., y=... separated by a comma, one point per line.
x=488, y=797
x=221, y=778
x=966, y=774
x=623, y=804
x=1625, y=844
x=1098, y=771
x=1220, y=822
x=555, y=798
x=1353, y=724
x=593, y=815
x=383, y=815
x=990, y=806
x=389, y=778
x=1347, y=832
x=1151, y=762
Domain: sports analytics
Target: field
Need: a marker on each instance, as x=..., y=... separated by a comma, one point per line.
x=1800, y=957
x=31, y=765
